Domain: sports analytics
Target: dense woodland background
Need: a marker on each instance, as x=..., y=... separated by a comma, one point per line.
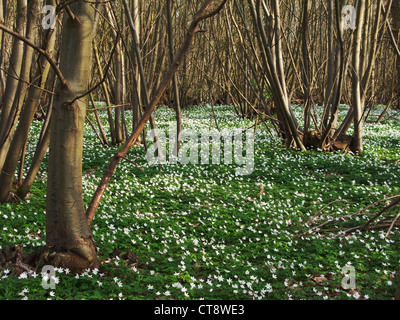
x=126, y=58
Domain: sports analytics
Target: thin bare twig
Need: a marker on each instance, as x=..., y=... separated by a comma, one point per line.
x=133, y=162
x=362, y=227
x=315, y=215
x=392, y=225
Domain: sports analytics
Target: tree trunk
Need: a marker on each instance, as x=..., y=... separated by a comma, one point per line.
x=269, y=38
x=28, y=111
x=306, y=68
x=67, y=232
x=177, y=102
x=119, y=98
x=143, y=82
x=395, y=14
x=106, y=95
x=356, y=80
x=136, y=95
x=40, y=151
x=14, y=71
x=2, y=80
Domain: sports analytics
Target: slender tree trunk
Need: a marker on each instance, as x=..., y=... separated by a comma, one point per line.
x=14, y=71
x=356, y=80
x=119, y=99
x=334, y=94
x=40, y=151
x=11, y=122
x=102, y=134
x=306, y=68
x=2, y=80
x=332, y=62
x=136, y=96
x=28, y=111
x=106, y=96
x=270, y=42
x=144, y=85
x=395, y=14
x=177, y=103
x=38, y=157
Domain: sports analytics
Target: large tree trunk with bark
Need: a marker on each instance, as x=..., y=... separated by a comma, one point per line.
x=68, y=236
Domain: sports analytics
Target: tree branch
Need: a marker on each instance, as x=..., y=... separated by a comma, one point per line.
x=200, y=15
x=52, y=62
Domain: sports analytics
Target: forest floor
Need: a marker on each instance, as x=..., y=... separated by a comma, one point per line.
x=200, y=231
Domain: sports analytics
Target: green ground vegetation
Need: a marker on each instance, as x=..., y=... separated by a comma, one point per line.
x=199, y=231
